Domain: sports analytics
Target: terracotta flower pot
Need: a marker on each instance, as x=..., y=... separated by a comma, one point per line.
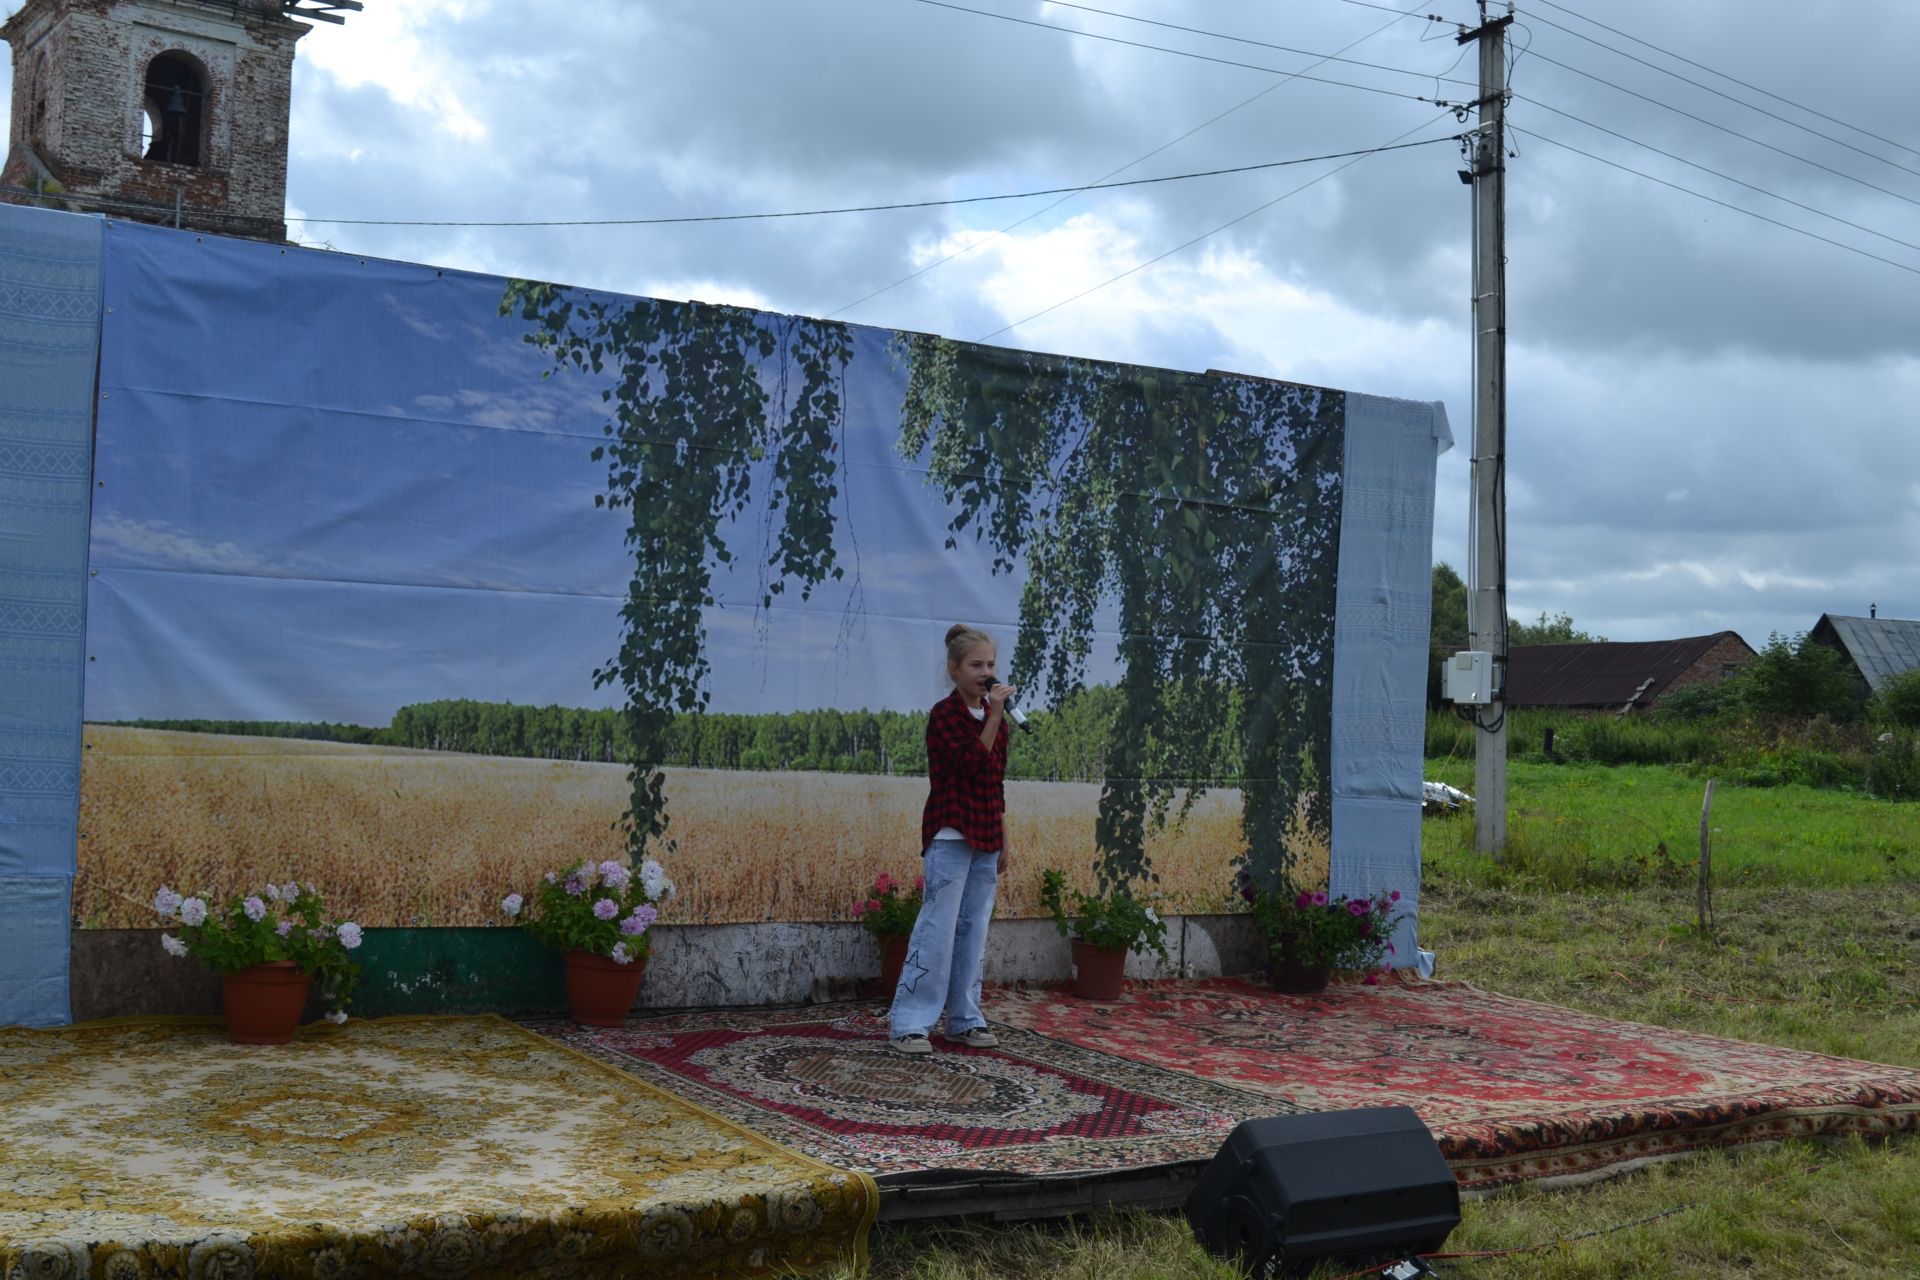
x=263, y=1004
x=601, y=990
x=1099, y=973
x=893, y=958
x=1291, y=975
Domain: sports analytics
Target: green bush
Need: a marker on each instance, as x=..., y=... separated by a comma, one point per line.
x=1695, y=703
x=1897, y=705
x=1893, y=765
x=1794, y=678
x=1813, y=767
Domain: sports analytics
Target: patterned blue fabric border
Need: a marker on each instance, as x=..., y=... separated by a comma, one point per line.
x=50, y=274
x=1380, y=625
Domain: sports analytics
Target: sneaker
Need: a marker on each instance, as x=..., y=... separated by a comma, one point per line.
x=915, y=1043
x=975, y=1038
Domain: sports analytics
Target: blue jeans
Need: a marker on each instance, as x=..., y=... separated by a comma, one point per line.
x=949, y=943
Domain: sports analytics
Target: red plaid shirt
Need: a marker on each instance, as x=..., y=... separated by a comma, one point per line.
x=965, y=777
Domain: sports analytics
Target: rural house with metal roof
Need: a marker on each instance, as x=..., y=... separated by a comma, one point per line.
x=1877, y=648
x=1619, y=676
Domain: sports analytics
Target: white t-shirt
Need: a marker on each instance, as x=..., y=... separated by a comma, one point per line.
x=949, y=833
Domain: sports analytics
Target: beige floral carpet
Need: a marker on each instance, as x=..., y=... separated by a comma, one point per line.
x=437, y=1147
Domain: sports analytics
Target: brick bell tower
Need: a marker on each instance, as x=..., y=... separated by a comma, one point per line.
x=167, y=111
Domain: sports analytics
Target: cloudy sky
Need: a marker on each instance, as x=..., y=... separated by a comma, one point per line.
x=1712, y=418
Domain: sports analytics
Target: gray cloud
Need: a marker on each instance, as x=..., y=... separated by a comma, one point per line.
x=1712, y=418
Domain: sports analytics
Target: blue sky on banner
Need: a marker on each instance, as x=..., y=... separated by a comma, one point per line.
x=424, y=527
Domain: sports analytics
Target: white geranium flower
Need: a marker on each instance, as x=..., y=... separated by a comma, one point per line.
x=173, y=945
x=337, y=1016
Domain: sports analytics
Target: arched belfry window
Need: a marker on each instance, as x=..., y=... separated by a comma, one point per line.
x=176, y=109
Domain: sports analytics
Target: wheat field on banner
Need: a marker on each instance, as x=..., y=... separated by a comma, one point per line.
x=402, y=837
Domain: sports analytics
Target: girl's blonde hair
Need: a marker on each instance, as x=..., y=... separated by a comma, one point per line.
x=961, y=639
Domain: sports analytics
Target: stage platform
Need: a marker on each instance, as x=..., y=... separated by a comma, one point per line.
x=442, y=1147
x=747, y=1141
x=1086, y=1103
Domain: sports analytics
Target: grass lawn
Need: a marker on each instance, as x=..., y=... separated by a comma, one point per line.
x=1591, y=826
x=1817, y=946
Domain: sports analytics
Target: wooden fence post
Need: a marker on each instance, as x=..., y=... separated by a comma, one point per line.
x=1704, y=894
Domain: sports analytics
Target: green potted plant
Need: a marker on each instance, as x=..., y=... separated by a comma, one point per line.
x=888, y=912
x=600, y=917
x=1311, y=934
x=1102, y=931
x=269, y=948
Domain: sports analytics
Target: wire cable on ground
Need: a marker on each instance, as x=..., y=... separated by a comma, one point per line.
x=865, y=208
x=1140, y=159
x=1392, y=144
x=1574, y=13
x=1559, y=1243
x=1638, y=173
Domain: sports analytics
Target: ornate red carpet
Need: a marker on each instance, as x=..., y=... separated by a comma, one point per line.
x=1513, y=1090
x=823, y=1081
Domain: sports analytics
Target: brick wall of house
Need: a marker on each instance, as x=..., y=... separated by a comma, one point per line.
x=1730, y=651
x=100, y=51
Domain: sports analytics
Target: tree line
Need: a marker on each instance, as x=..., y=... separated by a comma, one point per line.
x=1068, y=743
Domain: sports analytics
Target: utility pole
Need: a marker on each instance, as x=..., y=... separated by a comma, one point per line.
x=1487, y=597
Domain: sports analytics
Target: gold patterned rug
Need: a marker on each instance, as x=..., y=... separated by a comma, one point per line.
x=442, y=1147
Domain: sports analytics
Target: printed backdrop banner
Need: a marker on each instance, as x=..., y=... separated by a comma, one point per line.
x=49, y=338
x=416, y=584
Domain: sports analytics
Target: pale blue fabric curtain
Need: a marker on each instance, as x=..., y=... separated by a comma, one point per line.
x=49, y=343
x=1381, y=615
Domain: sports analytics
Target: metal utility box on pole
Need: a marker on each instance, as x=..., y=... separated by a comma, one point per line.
x=1487, y=597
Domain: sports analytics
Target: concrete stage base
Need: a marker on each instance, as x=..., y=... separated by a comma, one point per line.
x=124, y=973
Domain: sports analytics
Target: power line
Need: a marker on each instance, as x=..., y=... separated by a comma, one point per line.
x=1368, y=4
x=866, y=208
x=1178, y=53
x=1392, y=144
x=1840, y=244
x=1680, y=111
x=1727, y=177
x=1246, y=40
x=1771, y=115
x=1723, y=75
x=1048, y=208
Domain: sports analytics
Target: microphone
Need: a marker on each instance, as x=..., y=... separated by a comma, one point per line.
x=1014, y=713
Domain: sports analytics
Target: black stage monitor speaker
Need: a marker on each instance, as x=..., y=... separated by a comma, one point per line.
x=1286, y=1190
